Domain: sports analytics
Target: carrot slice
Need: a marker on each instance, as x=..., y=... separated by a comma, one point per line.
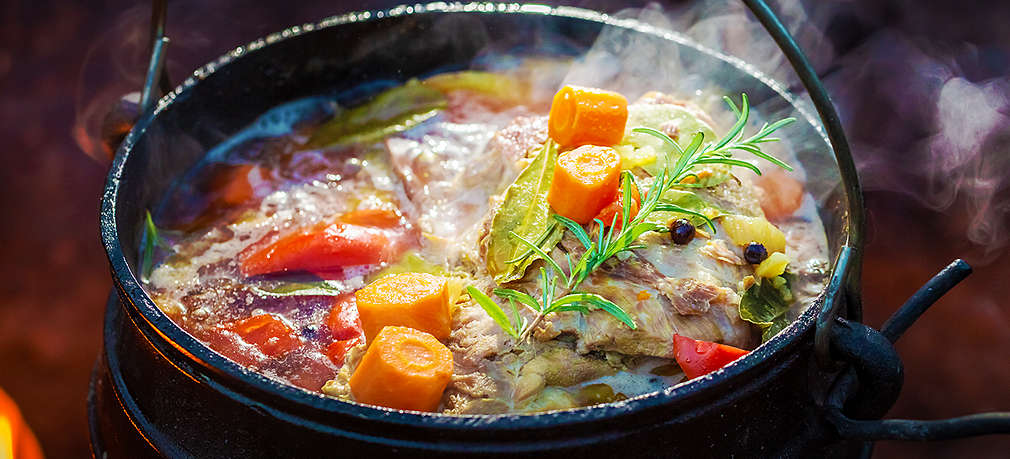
x=233, y=185
x=403, y=368
x=782, y=194
x=319, y=249
x=614, y=211
x=581, y=116
x=415, y=300
x=585, y=180
x=272, y=336
x=378, y=218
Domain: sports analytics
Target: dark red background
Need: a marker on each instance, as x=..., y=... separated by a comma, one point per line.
x=55, y=57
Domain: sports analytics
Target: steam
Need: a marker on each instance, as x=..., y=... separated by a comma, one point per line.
x=922, y=128
x=927, y=119
x=920, y=121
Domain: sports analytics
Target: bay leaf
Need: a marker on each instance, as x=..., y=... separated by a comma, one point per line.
x=525, y=211
x=394, y=110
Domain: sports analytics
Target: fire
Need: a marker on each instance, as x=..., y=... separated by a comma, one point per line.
x=16, y=440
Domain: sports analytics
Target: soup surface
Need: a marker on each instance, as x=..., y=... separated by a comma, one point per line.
x=476, y=242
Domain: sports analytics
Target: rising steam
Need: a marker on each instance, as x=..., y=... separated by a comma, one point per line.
x=922, y=121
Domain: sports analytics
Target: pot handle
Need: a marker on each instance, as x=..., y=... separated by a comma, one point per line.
x=870, y=385
x=846, y=276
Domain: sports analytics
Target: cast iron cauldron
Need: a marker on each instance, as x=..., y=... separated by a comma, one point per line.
x=157, y=391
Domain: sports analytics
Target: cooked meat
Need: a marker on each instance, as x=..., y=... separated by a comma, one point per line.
x=716, y=249
x=558, y=365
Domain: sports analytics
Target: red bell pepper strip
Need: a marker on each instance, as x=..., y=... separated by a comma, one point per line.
x=343, y=321
x=616, y=208
x=272, y=336
x=337, y=350
x=320, y=249
x=345, y=326
x=699, y=358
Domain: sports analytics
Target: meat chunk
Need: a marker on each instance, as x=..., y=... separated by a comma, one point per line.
x=561, y=366
x=691, y=297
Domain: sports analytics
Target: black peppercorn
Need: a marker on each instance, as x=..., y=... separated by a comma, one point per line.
x=755, y=253
x=681, y=231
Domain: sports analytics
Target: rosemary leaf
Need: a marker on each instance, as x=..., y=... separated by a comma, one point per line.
x=150, y=242
x=493, y=311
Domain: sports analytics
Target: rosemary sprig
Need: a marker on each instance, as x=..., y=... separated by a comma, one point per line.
x=519, y=328
x=609, y=243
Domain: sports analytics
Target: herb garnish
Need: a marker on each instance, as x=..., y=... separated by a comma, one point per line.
x=519, y=328
x=392, y=111
x=765, y=304
x=150, y=242
x=525, y=211
x=608, y=244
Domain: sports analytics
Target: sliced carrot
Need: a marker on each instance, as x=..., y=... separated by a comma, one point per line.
x=320, y=249
x=378, y=218
x=581, y=116
x=614, y=211
x=415, y=300
x=271, y=335
x=782, y=194
x=585, y=180
x=233, y=186
x=403, y=368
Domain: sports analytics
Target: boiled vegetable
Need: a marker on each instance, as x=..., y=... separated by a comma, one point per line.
x=392, y=111
x=586, y=179
x=232, y=185
x=323, y=248
x=612, y=213
x=766, y=303
x=377, y=218
x=415, y=300
x=337, y=350
x=782, y=194
x=504, y=87
x=271, y=335
x=581, y=116
x=772, y=266
x=403, y=368
x=344, y=321
x=699, y=358
x=526, y=212
x=345, y=328
x=743, y=230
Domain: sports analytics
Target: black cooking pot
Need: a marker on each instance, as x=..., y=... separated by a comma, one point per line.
x=156, y=390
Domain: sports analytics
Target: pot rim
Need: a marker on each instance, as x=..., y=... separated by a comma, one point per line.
x=167, y=336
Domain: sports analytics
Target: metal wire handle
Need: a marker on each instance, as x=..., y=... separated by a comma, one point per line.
x=854, y=340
